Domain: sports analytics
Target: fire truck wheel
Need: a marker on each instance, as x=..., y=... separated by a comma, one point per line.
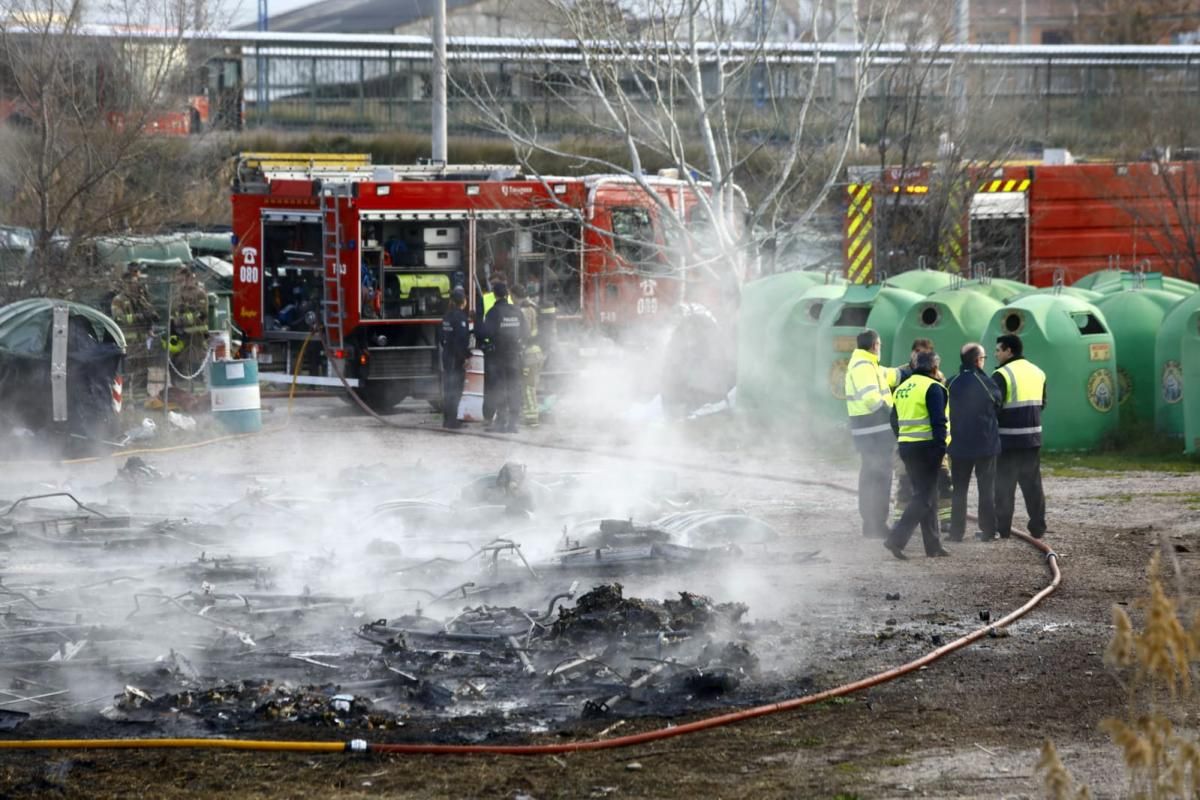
x=379, y=397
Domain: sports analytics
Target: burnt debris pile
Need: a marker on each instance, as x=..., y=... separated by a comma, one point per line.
x=230, y=602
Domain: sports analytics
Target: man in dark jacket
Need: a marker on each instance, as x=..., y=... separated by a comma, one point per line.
x=455, y=340
x=975, y=442
x=919, y=420
x=505, y=327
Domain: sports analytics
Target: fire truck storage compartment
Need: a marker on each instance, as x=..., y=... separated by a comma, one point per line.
x=1000, y=233
x=292, y=272
x=409, y=268
x=539, y=251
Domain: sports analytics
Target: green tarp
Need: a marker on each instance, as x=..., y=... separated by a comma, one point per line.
x=25, y=325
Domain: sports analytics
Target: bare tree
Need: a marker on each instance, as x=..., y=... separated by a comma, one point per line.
x=943, y=134
x=84, y=103
x=698, y=86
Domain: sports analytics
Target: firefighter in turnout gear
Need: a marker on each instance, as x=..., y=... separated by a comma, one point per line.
x=531, y=364
x=922, y=427
x=189, y=322
x=1023, y=387
x=455, y=340
x=133, y=311
x=869, y=403
x=505, y=327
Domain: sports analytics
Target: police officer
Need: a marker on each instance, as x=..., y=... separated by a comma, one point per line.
x=455, y=340
x=134, y=312
x=505, y=327
x=483, y=305
x=974, y=401
x=869, y=402
x=922, y=428
x=1023, y=387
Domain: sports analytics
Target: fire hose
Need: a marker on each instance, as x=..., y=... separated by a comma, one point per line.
x=717, y=721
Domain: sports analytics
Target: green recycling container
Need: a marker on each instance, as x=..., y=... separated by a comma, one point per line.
x=791, y=333
x=233, y=386
x=1190, y=353
x=1086, y=295
x=1002, y=289
x=921, y=281
x=951, y=318
x=1134, y=317
x=1179, y=286
x=870, y=306
x=1070, y=340
x=1168, y=366
x=758, y=351
x=1113, y=280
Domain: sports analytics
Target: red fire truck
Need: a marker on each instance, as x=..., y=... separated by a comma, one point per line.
x=369, y=254
x=1029, y=222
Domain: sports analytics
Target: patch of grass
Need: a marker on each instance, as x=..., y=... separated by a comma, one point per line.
x=811, y=741
x=847, y=768
x=1133, y=446
x=1087, y=465
x=836, y=701
x=897, y=761
x=844, y=796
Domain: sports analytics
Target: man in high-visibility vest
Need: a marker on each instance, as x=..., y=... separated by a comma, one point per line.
x=922, y=428
x=1023, y=387
x=869, y=402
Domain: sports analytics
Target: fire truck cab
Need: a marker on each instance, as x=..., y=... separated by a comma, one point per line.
x=367, y=256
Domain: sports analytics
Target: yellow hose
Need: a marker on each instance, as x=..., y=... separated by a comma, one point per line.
x=173, y=744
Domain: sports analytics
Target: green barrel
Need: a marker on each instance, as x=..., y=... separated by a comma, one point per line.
x=842, y=319
x=951, y=318
x=758, y=350
x=1134, y=317
x=1190, y=353
x=1168, y=367
x=235, y=400
x=792, y=330
x=921, y=281
x=1100, y=280
x=1070, y=340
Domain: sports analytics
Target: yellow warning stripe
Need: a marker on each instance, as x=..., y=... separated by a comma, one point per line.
x=858, y=241
x=1001, y=185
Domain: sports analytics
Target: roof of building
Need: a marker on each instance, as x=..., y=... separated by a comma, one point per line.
x=356, y=16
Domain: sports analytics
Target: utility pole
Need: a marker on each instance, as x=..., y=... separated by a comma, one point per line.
x=1023, y=31
x=260, y=64
x=846, y=69
x=439, y=81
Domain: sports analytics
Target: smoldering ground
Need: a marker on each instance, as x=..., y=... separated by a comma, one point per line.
x=265, y=566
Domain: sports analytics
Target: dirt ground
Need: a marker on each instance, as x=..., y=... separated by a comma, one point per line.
x=970, y=725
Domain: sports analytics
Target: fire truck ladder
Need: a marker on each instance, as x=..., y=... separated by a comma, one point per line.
x=333, y=302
